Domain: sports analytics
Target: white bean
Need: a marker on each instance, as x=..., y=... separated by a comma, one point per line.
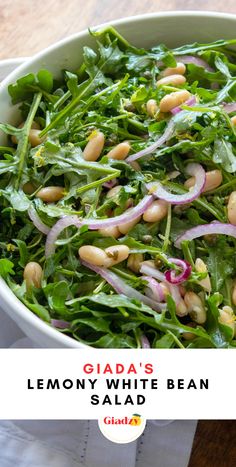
x=231, y=208
x=156, y=211
x=116, y=254
x=227, y=317
x=119, y=152
x=51, y=194
x=175, y=80
x=94, y=147
x=195, y=307
x=174, y=99
x=179, y=69
x=125, y=228
x=33, y=274
x=110, y=232
x=201, y=267
x=151, y=107
x=233, y=120
x=213, y=180
x=93, y=255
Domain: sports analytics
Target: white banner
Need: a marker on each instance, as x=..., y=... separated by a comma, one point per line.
x=95, y=384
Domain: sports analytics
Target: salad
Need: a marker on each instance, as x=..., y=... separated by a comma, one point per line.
x=118, y=196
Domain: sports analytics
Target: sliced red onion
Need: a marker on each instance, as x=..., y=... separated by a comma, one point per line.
x=195, y=170
x=150, y=149
x=60, y=324
x=191, y=101
x=206, y=229
x=186, y=59
x=145, y=344
x=110, y=184
x=174, y=290
x=94, y=224
x=229, y=107
x=153, y=289
x=122, y=288
x=37, y=221
x=174, y=278
x=153, y=272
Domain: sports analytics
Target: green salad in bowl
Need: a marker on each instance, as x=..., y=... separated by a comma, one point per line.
x=118, y=196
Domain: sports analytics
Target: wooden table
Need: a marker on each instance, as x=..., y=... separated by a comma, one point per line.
x=26, y=27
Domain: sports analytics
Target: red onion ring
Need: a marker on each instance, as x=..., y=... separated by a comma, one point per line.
x=174, y=278
x=34, y=217
x=191, y=101
x=193, y=169
x=150, y=149
x=145, y=344
x=206, y=229
x=229, y=107
x=174, y=290
x=60, y=324
x=122, y=288
x=153, y=289
x=94, y=224
x=188, y=59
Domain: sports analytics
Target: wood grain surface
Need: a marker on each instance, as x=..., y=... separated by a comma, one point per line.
x=26, y=26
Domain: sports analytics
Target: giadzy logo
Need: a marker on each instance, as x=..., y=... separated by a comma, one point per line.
x=122, y=429
x=135, y=420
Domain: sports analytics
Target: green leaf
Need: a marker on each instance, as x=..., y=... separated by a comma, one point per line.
x=45, y=80
x=223, y=154
x=6, y=267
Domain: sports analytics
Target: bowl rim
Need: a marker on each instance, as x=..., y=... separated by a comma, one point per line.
x=9, y=298
x=117, y=22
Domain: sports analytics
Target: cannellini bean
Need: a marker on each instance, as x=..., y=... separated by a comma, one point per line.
x=179, y=69
x=125, y=228
x=173, y=99
x=151, y=107
x=176, y=80
x=195, y=307
x=231, y=208
x=156, y=211
x=33, y=275
x=34, y=126
x=94, y=147
x=189, y=336
x=234, y=293
x=233, y=120
x=51, y=194
x=201, y=267
x=227, y=317
x=134, y=262
x=93, y=255
x=116, y=254
x=213, y=180
x=34, y=138
x=110, y=232
x=119, y=152
x=181, y=308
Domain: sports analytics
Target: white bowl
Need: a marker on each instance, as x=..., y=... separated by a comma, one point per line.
x=173, y=29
